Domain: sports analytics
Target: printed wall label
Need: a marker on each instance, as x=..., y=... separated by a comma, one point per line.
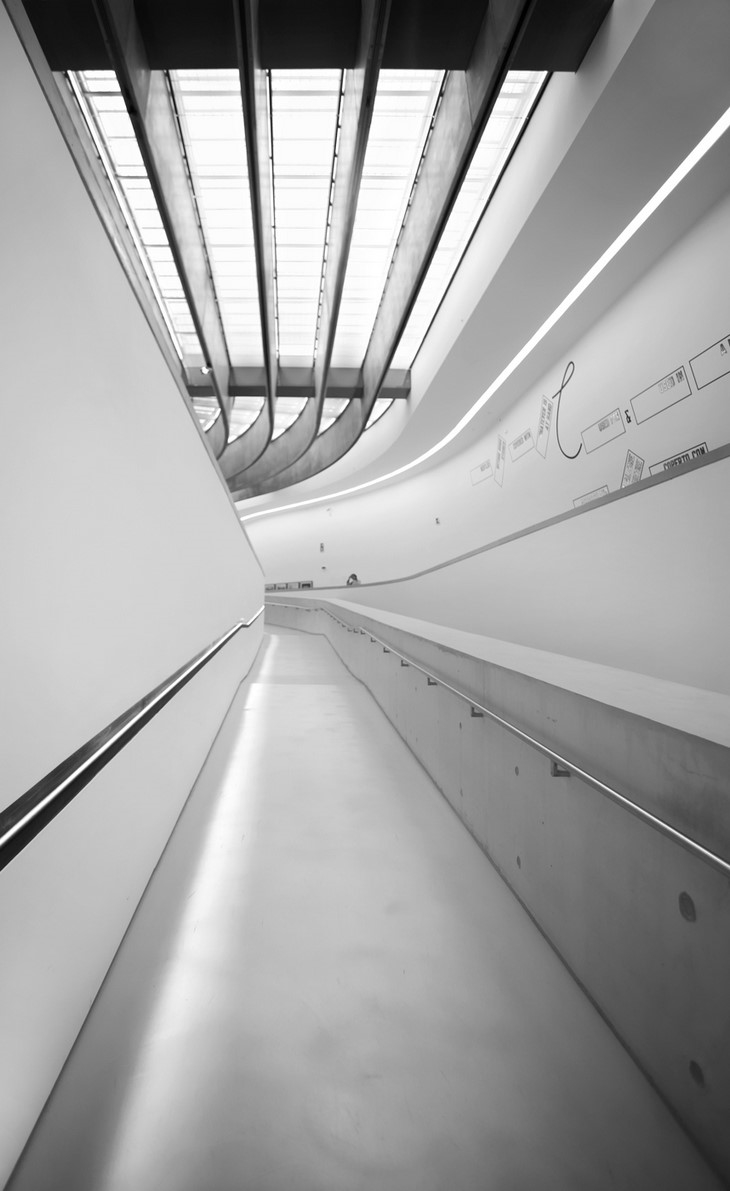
x=678, y=460
x=521, y=445
x=603, y=431
x=589, y=496
x=633, y=467
x=658, y=397
x=712, y=363
x=501, y=453
x=482, y=472
x=545, y=421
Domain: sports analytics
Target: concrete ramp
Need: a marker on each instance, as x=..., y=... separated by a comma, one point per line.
x=328, y=987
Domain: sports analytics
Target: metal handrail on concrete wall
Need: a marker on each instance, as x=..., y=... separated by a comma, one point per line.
x=561, y=766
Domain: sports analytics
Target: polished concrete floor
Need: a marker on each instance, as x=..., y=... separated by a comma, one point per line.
x=327, y=986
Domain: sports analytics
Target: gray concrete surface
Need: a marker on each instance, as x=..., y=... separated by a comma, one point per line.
x=327, y=986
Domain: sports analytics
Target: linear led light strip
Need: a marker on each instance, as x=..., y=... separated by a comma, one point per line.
x=674, y=179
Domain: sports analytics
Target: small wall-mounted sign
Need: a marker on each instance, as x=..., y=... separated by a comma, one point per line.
x=712, y=363
x=589, y=496
x=544, y=423
x=633, y=468
x=501, y=455
x=668, y=391
x=603, y=431
x=680, y=459
x=521, y=445
x=482, y=472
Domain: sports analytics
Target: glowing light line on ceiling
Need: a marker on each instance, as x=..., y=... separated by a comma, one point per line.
x=679, y=174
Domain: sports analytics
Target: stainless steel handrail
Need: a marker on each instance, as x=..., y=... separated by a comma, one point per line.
x=564, y=763
x=87, y=761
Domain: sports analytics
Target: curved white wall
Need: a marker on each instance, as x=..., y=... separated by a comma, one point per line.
x=122, y=558
x=637, y=583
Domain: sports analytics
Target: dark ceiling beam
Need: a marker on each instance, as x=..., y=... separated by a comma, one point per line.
x=558, y=34
x=465, y=107
x=299, y=382
x=357, y=109
x=150, y=107
x=252, y=445
x=422, y=34
x=467, y=102
x=323, y=34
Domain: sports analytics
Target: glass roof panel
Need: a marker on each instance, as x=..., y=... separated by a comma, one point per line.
x=244, y=412
x=332, y=407
x=102, y=106
x=288, y=410
x=305, y=107
x=404, y=106
x=511, y=110
x=380, y=406
x=211, y=121
x=206, y=411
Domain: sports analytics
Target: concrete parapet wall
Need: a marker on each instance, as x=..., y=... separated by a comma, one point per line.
x=641, y=922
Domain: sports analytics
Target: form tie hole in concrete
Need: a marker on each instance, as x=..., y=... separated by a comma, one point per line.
x=519, y=862
x=697, y=1074
x=517, y=770
x=687, y=907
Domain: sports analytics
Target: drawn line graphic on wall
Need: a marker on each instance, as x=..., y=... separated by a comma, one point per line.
x=680, y=459
x=633, y=469
x=661, y=395
x=567, y=377
x=712, y=363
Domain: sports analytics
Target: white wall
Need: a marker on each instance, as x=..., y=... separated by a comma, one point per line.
x=637, y=584
x=121, y=558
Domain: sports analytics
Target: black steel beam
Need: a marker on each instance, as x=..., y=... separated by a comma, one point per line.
x=558, y=34
x=360, y=87
x=422, y=34
x=150, y=107
x=252, y=445
x=465, y=107
x=299, y=382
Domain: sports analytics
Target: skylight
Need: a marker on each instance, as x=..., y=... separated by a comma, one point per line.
x=510, y=112
x=380, y=406
x=404, y=106
x=288, y=410
x=103, y=107
x=244, y=412
x=331, y=410
x=304, y=114
x=210, y=113
x=207, y=410
x=305, y=111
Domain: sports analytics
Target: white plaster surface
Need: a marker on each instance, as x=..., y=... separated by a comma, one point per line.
x=327, y=986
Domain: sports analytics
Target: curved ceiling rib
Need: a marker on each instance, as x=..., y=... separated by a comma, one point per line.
x=237, y=271
x=244, y=450
x=150, y=108
x=467, y=102
x=356, y=117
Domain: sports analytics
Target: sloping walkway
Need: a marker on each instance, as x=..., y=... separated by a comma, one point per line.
x=327, y=987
